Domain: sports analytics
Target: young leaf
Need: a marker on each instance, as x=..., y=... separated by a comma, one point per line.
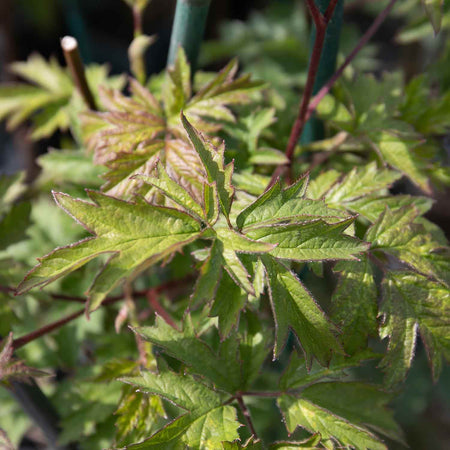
x=213, y=162
x=294, y=308
x=137, y=235
x=173, y=191
x=413, y=304
x=207, y=421
x=355, y=304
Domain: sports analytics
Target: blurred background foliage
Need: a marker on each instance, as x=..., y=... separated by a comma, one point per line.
x=271, y=40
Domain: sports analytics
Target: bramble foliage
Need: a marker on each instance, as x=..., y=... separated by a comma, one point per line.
x=263, y=294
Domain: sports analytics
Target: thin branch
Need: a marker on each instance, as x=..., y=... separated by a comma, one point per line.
x=261, y=393
x=152, y=299
x=247, y=416
x=20, y=342
x=362, y=42
x=321, y=22
x=137, y=20
x=73, y=59
x=330, y=10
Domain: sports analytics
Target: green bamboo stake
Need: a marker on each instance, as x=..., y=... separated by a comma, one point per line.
x=188, y=29
x=314, y=129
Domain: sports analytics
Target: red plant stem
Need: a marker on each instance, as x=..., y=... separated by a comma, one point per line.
x=362, y=42
x=137, y=21
x=312, y=104
x=155, y=305
x=321, y=23
x=20, y=342
x=247, y=416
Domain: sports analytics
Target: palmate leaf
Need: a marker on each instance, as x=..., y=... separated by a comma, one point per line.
x=208, y=421
x=137, y=235
x=294, y=308
x=342, y=412
x=136, y=130
x=413, y=304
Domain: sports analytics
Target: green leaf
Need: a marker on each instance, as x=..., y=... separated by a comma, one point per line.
x=306, y=414
x=355, y=304
x=229, y=300
x=210, y=273
x=360, y=182
x=173, y=191
x=310, y=443
x=268, y=156
x=50, y=100
x=397, y=234
x=232, y=243
x=434, y=10
x=284, y=205
x=372, y=207
x=186, y=346
x=207, y=421
x=251, y=444
x=213, y=161
x=294, y=308
x=360, y=404
x=413, y=304
x=137, y=235
x=397, y=152
x=311, y=241
x=298, y=375
x=69, y=166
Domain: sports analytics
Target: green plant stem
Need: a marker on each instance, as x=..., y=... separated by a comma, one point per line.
x=73, y=59
x=188, y=29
